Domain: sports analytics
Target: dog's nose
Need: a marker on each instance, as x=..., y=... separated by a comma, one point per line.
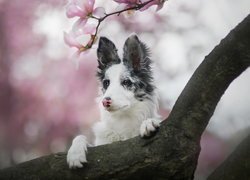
x=106, y=102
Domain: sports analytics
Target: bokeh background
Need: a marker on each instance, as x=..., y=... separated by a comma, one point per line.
x=45, y=100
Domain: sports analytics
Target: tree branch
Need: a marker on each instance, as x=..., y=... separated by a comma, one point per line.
x=173, y=152
x=197, y=102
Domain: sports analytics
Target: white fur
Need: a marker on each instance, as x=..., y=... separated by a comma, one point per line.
x=77, y=152
x=125, y=118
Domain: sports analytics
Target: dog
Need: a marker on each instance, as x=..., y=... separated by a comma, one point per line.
x=128, y=100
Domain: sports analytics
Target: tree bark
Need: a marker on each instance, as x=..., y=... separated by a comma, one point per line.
x=172, y=153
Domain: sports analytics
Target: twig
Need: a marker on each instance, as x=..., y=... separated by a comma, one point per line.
x=93, y=37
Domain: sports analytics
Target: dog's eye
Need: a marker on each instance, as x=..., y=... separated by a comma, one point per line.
x=126, y=82
x=105, y=83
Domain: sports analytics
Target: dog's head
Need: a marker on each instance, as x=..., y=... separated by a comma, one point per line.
x=127, y=82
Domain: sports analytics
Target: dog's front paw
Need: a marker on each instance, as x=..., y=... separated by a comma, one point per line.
x=149, y=126
x=77, y=152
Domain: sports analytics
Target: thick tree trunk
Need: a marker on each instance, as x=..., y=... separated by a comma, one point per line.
x=173, y=152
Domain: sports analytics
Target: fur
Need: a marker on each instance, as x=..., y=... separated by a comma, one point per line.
x=128, y=102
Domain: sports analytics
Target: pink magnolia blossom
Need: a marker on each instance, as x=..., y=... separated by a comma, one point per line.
x=99, y=12
x=89, y=29
x=80, y=37
x=82, y=34
x=77, y=56
x=78, y=26
x=71, y=40
x=83, y=51
x=80, y=8
x=83, y=27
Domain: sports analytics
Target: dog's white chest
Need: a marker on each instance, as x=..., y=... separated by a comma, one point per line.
x=119, y=130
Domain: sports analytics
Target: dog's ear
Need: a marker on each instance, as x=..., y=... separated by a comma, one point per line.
x=106, y=53
x=136, y=53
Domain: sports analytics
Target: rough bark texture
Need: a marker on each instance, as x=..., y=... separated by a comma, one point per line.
x=173, y=152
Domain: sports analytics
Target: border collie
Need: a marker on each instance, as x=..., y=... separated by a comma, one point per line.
x=128, y=101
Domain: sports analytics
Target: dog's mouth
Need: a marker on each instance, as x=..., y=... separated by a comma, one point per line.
x=113, y=109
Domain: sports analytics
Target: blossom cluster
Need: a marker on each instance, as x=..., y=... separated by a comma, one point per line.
x=84, y=32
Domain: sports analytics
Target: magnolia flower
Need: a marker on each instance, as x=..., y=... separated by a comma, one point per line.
x=82, y=42
x=78, y=26
x=82, y=50
x=80, y=8
x=99, y=12
x=71, y=40
x=80, y=38
x=83, y=34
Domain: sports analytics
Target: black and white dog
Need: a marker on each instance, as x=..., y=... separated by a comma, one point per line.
x=128, y=101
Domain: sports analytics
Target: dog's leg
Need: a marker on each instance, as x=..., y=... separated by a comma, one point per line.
x=77, y=152
x=149, y=126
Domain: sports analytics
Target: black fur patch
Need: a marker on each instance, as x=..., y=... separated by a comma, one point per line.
x=136, y=59
x=107, y=56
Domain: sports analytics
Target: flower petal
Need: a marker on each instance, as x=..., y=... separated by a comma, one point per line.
x=78, y=56
x=99, y=12
x=84, y=39
x=78, y=26
x=72, y=11
x=89, y=29
x=71, y=41
x=89, y=6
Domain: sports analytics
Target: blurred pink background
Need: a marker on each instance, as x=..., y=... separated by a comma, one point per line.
x=45, y=100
